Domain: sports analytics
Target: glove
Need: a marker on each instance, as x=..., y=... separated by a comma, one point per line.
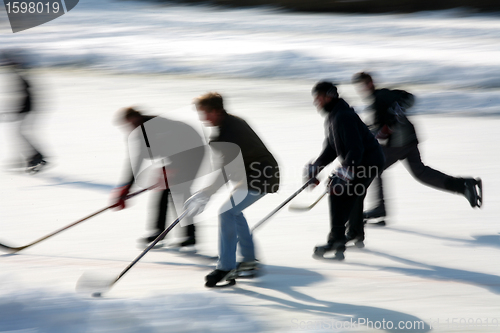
x=339, y=181
x=120, y=196
x=196, y=203
x=311, y=170
x=383, y=133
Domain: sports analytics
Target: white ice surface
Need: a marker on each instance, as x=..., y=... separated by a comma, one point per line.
x=437, y=259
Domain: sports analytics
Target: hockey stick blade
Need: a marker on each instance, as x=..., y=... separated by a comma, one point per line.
x=89, y=283
x=299, y=208
x=13, y=249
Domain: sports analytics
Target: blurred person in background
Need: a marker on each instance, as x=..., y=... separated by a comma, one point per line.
x=392, y=126
x=255, y=176
x=23, y=114
x=178, y=150
x=361, y=157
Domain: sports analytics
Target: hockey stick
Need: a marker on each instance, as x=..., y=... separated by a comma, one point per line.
x=302, y=188
x=99, y=286
x=309, y=207
x=13, y=249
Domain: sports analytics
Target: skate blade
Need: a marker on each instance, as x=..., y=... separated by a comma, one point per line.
x=336, y=257
x=479, y=185
x=356, y=244
x=380, y=222
x=36, y=168
x=247, y=274
x=339, y=256
x=223, y=285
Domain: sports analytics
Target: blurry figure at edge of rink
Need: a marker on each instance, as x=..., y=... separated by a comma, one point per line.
x=24, y=113
x=178, y=151
x=390, y=124
x=361, y=157
x=257, y=176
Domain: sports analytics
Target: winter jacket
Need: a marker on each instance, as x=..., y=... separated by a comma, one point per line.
x=389, y=108
x=261, y=168
x=348, y=138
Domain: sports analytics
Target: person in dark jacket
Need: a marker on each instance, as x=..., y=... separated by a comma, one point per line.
x=175, y=151
x=243, y=160
x=361, y=157
x=24, y=114
x=391, y=125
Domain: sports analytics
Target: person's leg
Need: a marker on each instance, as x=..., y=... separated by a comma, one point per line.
x=180, y=193
x=355, y=225
x=233, y=227
x=340, y=208
x=392, y=155
x=161, y=216
x=423, y=173
x=469, y=187
x=33, y=155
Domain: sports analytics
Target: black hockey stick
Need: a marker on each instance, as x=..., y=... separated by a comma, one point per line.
x=268, y=216
x=99, y=286
x=309, y=207
x=13, y=249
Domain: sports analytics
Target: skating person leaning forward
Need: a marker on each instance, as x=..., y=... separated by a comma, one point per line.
x=391, y=125
x=244, y=161
x=175, y=151
x=348, y=138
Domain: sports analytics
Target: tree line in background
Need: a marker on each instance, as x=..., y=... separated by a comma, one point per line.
x=361, y=6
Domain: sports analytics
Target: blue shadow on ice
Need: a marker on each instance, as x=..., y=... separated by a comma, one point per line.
x=489, y=282
x=65, y=181
x=308, y=308
x=478, y=240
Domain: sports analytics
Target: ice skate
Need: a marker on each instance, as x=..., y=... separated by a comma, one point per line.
x=215, y=277
x=320, y=251
x=474, y=192
x=357, y=241
x=35, y=166
x=246, y=270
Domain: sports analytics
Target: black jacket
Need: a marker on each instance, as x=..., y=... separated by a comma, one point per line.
x=388, y=113
x=261, y=168
x=349, y=138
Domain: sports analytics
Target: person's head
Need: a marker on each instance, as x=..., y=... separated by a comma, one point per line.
x=131, y=116
x=210, y=106
x=364, y=83
x=324, y=92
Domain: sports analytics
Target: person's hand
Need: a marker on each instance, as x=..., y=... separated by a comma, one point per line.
x=383, y=133
x=195, y=205
x=119, y=197
x=311, y=170
x=339, y=181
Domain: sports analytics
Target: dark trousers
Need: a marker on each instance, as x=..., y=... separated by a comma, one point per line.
x=32, y=154
x=410, y=155
x=347, y=208
x=161, y=217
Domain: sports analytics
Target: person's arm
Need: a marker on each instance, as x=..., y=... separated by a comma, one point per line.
x=327, y=156
x=405, y=99
x=352, y=141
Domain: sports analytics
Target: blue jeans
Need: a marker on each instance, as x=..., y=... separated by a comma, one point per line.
x=233, y=229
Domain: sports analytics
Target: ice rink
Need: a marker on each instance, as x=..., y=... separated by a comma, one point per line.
x=434, y=267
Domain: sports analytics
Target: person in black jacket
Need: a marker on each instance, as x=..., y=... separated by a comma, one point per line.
x=245, y=162
x=391, y=125
x=347, y=138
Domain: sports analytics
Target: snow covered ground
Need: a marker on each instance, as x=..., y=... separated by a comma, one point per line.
x=434, y=267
